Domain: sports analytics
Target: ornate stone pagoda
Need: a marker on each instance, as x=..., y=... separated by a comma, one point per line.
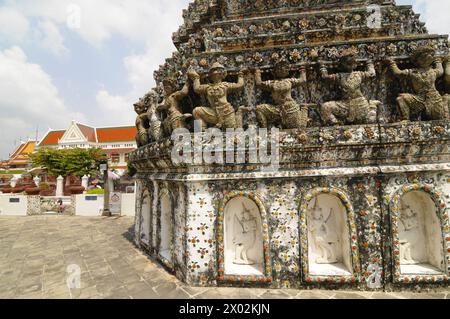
x=359, y=197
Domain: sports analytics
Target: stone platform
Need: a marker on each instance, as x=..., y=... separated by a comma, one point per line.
x=363, y=174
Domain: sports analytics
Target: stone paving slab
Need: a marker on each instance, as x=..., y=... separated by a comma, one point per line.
x=35, y=252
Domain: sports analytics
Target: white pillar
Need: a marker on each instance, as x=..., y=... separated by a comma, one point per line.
x=37, y=181
x=13, y=182
x=85, y=182
x=60, y=186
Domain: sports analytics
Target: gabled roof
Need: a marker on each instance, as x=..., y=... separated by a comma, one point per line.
x=22, y=153
x=52, y=138
x=88, y=132
x=116, y=134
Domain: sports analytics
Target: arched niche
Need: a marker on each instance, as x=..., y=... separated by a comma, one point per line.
x=329, y=237
x=166, y=226
x=146, y=207
x=243, y=240
x=420, y=241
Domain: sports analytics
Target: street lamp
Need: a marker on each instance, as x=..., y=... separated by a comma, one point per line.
x=106, y=211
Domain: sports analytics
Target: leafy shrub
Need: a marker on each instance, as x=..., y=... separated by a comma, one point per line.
x=97, y=191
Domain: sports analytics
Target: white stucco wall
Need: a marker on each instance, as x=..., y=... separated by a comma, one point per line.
x=13, y=209
x=128, y=204
x=85, y=207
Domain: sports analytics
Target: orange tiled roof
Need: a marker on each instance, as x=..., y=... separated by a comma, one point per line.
x=21, y=155
x=88, y=132
x=52, y=138
x=116, y=134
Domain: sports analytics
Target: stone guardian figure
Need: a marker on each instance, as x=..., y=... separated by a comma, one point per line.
x=244, y=236
x=220, y=113
x=155, y=130
x=148, y=123
x=408, y=226
x=354, y=108
x=425, y=102
x=285, y=111
x=447, y=81
x=171, y=105
x=322, y=235
x=142, y=123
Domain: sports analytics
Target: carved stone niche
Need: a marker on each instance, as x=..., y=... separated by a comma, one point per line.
x=166, y=227
x=145, y=218
x=329, y=248
x=420, y=236
x=243, y=240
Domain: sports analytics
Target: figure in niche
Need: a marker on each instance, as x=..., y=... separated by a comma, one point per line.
x=147, y=122
x=354, y=108
x=285, y=110
x=171, y=105
x=244, y=238
x=426, y=102
x=323, y=237
x=408, y=224
x=220, y=112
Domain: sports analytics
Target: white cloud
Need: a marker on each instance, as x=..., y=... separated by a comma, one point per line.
x=140, y=77
x=51, y=39
x=143, y=22
x=435, y=15
x=14, y=26
x=136, y=20
x=28, y=99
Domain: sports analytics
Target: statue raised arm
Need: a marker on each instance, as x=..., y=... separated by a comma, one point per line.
x=425, y=102
x=220, y=112
x=354, y=107
x=284, y=111
x=171, y=105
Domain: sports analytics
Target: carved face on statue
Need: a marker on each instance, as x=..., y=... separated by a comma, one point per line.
x=348, y=63
x=170, y=86
x=140, y=107
x=424, y=57
x=217, y=73
x=281, y=70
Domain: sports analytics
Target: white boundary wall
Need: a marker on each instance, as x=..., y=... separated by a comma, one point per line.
x=13, y=205
x=88, y=205
x=128, y=205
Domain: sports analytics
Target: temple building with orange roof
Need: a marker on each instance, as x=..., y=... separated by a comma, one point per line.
x=116, y=142
x=20, y=157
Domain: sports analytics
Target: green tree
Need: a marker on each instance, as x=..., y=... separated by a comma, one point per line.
x=69, y=162
x=51, y=160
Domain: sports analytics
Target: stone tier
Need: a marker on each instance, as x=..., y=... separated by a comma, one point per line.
x=421, y=143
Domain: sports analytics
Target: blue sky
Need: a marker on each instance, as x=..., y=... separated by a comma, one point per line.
x=89, y=60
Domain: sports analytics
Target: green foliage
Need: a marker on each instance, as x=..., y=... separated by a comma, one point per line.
x=131, y=170
x=67, y=162
x=96, y=191
x=12, y=172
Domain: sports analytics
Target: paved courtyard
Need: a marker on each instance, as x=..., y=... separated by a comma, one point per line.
x=36, y=251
